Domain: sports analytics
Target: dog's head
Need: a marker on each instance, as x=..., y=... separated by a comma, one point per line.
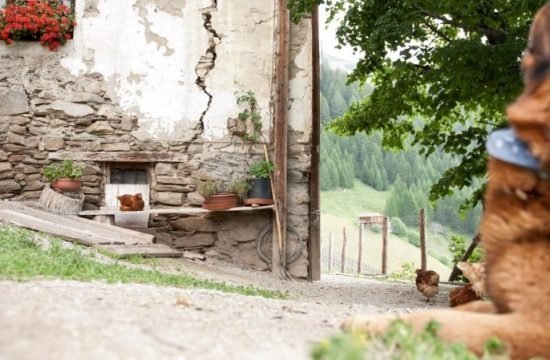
x=536, y=60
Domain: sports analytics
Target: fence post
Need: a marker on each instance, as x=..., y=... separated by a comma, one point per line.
x=384, y=245
x=422, y=233
x=360, y=252
x=329, y=252
x=343, y=260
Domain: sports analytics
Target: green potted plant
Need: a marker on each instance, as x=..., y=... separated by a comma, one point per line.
x=239, y=188
x=65, y=176
x=215, y=196
x=260, y=193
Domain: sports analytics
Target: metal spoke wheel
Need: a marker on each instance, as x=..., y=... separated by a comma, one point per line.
x=264, y=244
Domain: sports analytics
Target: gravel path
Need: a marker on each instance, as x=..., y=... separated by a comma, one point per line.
x=68, y=320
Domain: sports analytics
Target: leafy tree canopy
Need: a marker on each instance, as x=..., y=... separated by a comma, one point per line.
x=443, y=73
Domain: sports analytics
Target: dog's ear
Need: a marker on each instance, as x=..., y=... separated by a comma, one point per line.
x=536, y=61
x=139, y=195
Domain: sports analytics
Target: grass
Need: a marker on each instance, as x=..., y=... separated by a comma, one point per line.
x=399, y=342
x=350, y=203
x=23, y=259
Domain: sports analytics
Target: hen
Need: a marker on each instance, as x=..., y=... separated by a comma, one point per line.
x=131, y=202
x=427, y=282
x=462, y=295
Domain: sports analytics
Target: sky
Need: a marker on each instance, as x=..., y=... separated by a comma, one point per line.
x=328, y=42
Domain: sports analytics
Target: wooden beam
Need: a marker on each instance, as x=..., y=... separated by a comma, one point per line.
x=314, y=243
x=145, y=250
x=422, y=234
x=281, y=125
x=385, y=228
x=120, y=156
x=178, y=210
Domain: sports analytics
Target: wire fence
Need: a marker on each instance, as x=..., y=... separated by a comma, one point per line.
x=403, y=245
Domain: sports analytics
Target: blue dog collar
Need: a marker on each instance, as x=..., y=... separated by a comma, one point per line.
x=505, y=145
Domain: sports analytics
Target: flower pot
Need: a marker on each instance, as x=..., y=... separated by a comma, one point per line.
x=67, y=185
x=220, y=202
x=260, y=194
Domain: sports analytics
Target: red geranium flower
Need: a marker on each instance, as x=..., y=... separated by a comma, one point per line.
x=47, y=21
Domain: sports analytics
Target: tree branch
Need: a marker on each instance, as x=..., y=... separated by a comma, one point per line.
x=436, y=31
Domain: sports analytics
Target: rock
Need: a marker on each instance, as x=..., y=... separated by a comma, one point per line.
x=71, y=109
x=17, y=129
x=193, y=256
x=9, y=186
x=164, y=169
x=25, y=169
x=115, y=147
x=128, y=123
x=34, y=185
x=15, y=120
x=3, y=156
x=16, y=139
x=174, y=180
x=83, y=121
x=32, y=194
x=195, y=241
x=168, y=198
x=13, y=101
x=91, y=190
x=6, y=175
x=174, y=188
x=298, y=194
x=32, y=142
x=195, y=223
x=5, y=166
x=163, y=238
x=100, y=128
x=195, y=198
x=13, y=148
x=90, y=170
x=85, y=98
x=54, y=143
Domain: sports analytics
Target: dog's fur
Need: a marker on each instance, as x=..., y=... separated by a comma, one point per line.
x=515, y=232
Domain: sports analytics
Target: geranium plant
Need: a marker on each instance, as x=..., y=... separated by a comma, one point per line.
x=47, y=21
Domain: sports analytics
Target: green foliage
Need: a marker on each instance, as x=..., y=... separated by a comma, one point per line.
x=400, y=342
x=261, y=169
x=457, y=247
x=413, y=238
x=239, y=187
x=398, y=227
x=68, y=169
x=249, y=114
x=443, y=73
x=407, y=272
x=209, y=188
x=22, y=259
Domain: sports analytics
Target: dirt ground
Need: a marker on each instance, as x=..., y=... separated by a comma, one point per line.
x=75, y=320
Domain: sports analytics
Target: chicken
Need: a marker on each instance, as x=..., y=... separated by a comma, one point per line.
x=462, y=295
x=475, y=273
x=131, y=202
x=427, y=282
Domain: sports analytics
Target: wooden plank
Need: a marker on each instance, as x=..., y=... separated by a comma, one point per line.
x=121, y=156
x=145, y=250
x=83, y=236
x=180, y=210
x=385, y=245
x=126, y=236
x=128, y=219
x=314, y=243
x=422, y=232
x=281, y=125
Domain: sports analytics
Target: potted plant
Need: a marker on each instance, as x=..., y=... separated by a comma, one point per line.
x=49, y=22
x=260, y=193
x=65, y=176
x=215, y=197
x=239, y=188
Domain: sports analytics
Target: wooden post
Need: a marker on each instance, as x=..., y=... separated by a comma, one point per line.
x=314, y=243
x=456, y=271
x=360, y=250
x=343, y=259
x=422, y=233
x=384, y=245
x=281, y=126
x=330, y=253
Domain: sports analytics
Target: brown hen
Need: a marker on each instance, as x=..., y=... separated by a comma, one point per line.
x=427, y=282
x=131, y=202
x=462, y=295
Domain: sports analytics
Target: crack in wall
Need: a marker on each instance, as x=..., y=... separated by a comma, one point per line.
x=207, y=61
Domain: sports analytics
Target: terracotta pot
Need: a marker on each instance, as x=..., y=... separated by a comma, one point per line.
x=67, y=185
x=220, y=202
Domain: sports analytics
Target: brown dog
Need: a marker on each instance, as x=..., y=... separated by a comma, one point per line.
x=515, y=231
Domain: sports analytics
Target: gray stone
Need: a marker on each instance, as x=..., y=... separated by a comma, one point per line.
x=108, y=111
x=9, y=186
x=15, y=120
x=91, y=190
x=90, y=170
x=195, y=223
x=174, y=180
x=13, y=148
x=100, y=128
x=32, y=142
x=6, y=175
x=3, y=156
x=168, y=198
x=163, y=238
x=13, y=101
x=298, y=194
x=128, y=123
x=174, y=188
x=85, y=98
x=18, y=129
x=195, y=241
x=194, y=198
x=34, y=185
x=115, y=147
x=54, y=143
x=71, y=109
x=83, y=121
x=25, y=169
x=165, y=169
x=16, y=139
x=5, y=166
x=28, y=195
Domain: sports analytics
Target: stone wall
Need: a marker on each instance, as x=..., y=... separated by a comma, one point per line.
x=68, y=101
